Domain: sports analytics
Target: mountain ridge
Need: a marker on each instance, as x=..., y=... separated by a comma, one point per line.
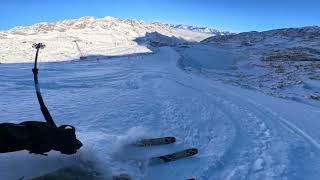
x=308, y=32
x=107, y=22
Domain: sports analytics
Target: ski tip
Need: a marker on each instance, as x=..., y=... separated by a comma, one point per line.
x=192, y=151
x=170, y=139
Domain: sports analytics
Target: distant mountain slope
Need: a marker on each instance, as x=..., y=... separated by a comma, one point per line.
x=272, y=37
x=282, y=62
x=95, y=36
x=200, y=29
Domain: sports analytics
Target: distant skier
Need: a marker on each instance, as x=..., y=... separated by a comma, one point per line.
x=38, y=137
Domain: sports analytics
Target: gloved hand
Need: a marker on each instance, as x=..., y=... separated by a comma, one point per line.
x=38, y=137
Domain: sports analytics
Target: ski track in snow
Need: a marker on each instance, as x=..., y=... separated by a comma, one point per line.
x=116, y=101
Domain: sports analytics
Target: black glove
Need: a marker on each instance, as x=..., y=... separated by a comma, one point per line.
x=38, y=137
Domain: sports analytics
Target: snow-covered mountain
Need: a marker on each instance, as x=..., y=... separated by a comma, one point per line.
x=106, y=23
x=95, y=36
x=199, y=29
x=275, y=37
x=281, y=62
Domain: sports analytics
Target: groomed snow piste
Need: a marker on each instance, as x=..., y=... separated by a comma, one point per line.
x=240, y=134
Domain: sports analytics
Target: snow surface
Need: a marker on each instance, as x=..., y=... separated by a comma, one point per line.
x=240, y=134
x=138, y=81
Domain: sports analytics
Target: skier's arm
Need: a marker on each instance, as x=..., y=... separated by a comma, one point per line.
x=37, y=137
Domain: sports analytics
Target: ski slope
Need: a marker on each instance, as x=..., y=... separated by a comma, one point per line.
x=240, y=134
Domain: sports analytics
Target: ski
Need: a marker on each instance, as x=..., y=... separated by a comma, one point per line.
x=77, y=172
x=121, y=177
x=155, y=141
x=173, y=156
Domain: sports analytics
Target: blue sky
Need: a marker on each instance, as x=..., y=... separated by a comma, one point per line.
x=231, y=15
